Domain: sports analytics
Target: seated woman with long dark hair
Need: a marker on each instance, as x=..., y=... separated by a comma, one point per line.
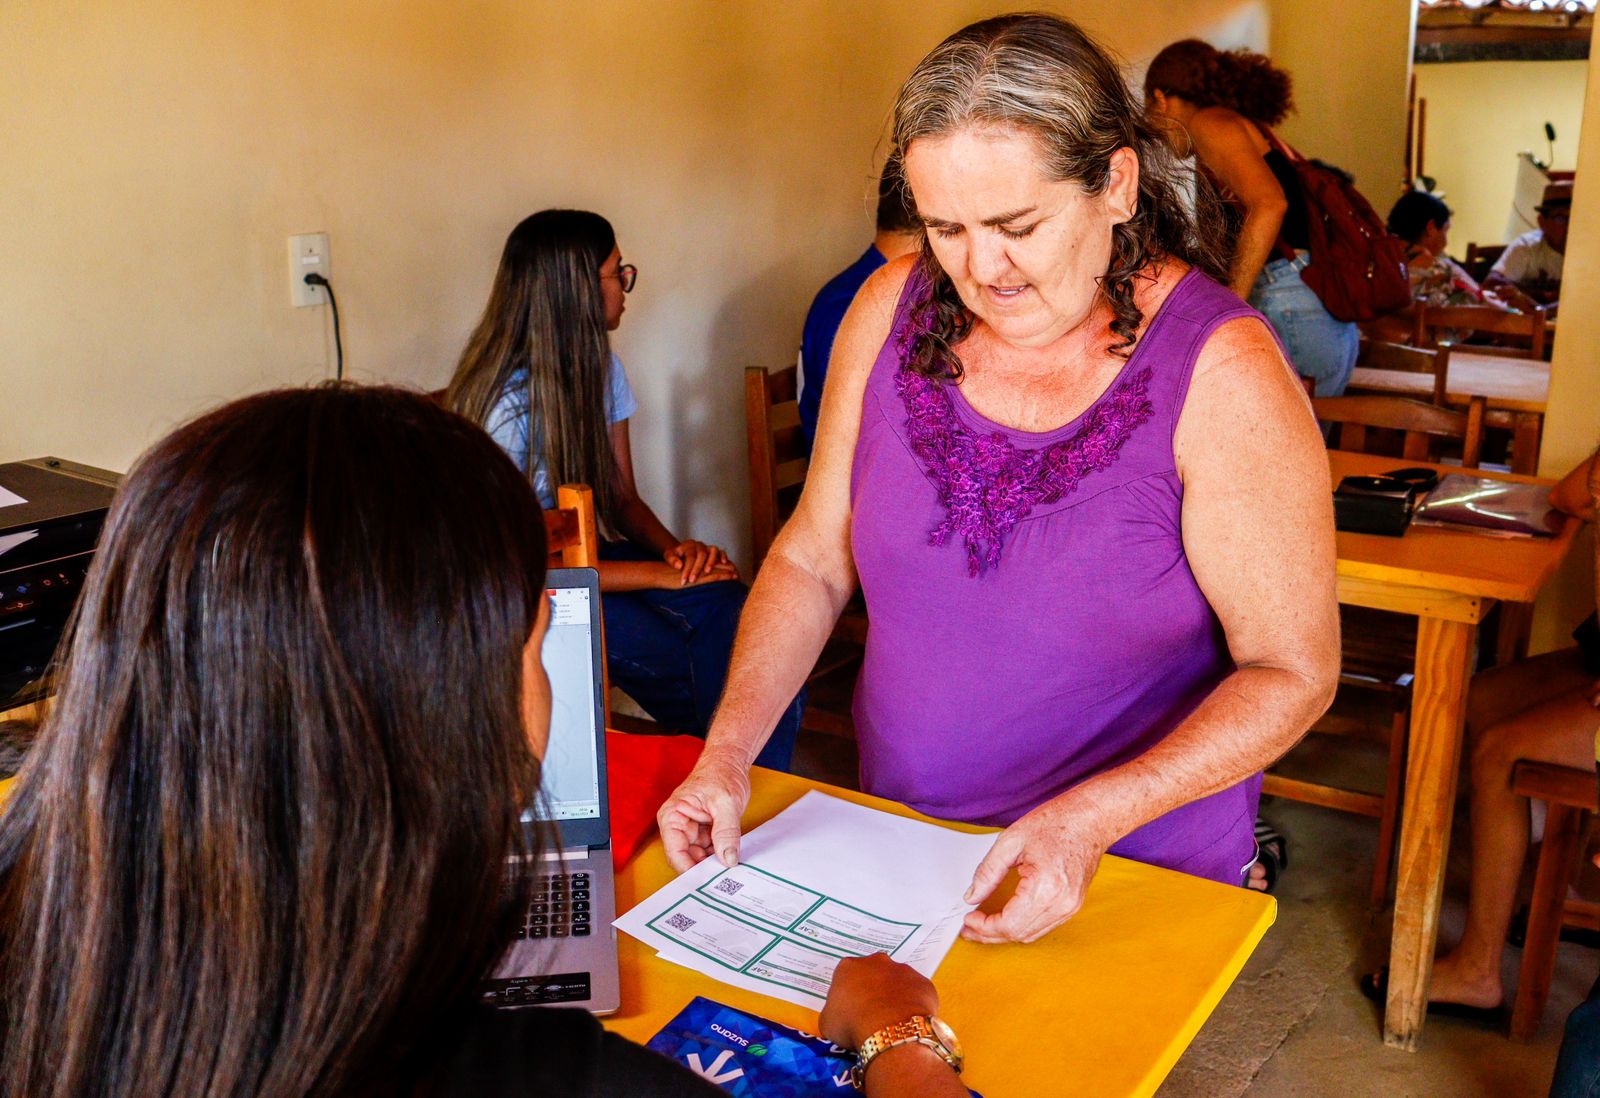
x=539, y=375
x=261, y=845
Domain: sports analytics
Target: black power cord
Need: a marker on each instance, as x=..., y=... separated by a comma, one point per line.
x=314, y=279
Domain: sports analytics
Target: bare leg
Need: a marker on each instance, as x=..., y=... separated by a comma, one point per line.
x=1500, y=693
x=1558, y=729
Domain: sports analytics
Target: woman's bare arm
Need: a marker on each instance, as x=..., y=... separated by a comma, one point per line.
x=682, y=564
x=1575, y=494
x=1258, y=534
x=635, y=519
x=1226, y=145
x=808, y=576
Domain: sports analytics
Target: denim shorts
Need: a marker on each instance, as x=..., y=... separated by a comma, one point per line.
x=1319, y=346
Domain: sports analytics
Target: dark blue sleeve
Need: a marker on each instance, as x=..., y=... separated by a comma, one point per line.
x=816, y=344
x=822, y=325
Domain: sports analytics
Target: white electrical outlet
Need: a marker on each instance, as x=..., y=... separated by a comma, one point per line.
x=308, y=254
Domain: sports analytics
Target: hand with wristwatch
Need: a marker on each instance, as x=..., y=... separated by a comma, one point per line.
x=877, y=1005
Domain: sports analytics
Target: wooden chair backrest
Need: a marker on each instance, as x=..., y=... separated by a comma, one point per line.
x=1480, y=258
x=1378, y=355
x=1529, y=326
x=1422, y=423
x=777, y=449
x=574, y=537
x=574, y=542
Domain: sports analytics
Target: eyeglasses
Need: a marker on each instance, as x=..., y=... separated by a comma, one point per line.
x=627, y=274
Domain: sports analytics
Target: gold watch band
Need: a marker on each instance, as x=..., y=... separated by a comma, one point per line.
x=915, y=1030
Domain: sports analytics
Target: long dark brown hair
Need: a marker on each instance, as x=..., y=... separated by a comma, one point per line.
x=1044, y=75
x=1244, y=82
x=546, y=317
x=260, y=845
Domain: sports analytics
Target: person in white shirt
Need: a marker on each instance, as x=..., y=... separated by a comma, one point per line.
x=1530, y=267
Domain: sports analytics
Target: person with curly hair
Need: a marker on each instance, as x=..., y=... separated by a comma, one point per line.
x=1220, y=108
x=1087, y=627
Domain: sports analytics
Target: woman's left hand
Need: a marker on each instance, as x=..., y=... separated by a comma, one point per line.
x=1055, y=850
x=693, y=559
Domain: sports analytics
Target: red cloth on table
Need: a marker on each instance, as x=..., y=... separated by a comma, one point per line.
x=641, y=772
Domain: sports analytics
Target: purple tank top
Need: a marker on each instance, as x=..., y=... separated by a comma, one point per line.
x=1033, y=618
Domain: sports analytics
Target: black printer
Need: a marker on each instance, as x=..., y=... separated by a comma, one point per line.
x=51, y=512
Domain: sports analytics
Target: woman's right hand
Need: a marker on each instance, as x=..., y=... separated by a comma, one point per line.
x=870, y=993
x=701, y=818
x=670, y=578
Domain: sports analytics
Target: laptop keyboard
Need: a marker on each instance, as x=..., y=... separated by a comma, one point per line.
x=559, y=908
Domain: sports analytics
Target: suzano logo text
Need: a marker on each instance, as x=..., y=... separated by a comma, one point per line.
x=730, y=1035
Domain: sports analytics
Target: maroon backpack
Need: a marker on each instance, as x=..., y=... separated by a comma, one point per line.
x=1358, y=267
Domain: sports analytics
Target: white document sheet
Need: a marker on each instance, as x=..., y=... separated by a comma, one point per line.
x=822, y=880
x=9, y=542
x=9, y=498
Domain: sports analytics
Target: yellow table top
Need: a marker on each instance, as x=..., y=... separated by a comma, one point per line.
x=1105, y=1005
x=1456, y=561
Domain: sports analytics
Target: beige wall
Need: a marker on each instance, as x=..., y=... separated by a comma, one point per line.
x=1572, y=425
x=1351, y=60
x=1480, y=115
x=158, y=154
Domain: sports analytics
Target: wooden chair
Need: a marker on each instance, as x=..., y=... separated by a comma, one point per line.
x=778, y=462
x=778, y=457
x=29, y=715
x=573, y=541
x=1480, y=259
x=1435, y=361
x=1527, y=331
x=1571, y=797
x=1422, y=425
x=1379, y=649
x=571, y=529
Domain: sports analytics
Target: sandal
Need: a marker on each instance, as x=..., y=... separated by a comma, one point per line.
x=1272, y=853
x=1375, y=986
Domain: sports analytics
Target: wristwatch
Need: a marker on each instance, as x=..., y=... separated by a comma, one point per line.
x=921, y=1029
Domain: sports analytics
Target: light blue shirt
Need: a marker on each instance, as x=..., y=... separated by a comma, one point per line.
x=509, y=422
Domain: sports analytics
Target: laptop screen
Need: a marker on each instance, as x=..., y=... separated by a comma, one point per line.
x=572, y=794
x=571, y=762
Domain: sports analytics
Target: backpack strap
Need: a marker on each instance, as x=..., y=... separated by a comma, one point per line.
x=1280, y=144
x=1280, y=246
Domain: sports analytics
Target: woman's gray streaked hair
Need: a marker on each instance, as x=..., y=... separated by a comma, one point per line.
x=1045, y=76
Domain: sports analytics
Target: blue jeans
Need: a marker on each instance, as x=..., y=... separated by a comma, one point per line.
x=1318, y=345
x=1578, y=1064
x=669, y=651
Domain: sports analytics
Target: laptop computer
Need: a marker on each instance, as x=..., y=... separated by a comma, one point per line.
x=565, y=953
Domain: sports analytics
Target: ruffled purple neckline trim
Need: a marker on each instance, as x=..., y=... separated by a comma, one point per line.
x=985, y=483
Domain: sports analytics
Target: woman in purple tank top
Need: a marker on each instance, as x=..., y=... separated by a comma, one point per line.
x=1080, y=490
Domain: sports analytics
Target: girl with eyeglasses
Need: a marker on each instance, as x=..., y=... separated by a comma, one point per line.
x=539, y=375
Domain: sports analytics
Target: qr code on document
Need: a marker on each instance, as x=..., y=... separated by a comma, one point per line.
x=729, y=887
x=679, y=921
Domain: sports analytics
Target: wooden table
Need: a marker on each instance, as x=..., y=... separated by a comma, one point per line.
x=1516, y=389
x=1449, y=580
x=1103, y=1006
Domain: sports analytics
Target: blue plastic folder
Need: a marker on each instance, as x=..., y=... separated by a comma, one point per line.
x=751, y=1057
